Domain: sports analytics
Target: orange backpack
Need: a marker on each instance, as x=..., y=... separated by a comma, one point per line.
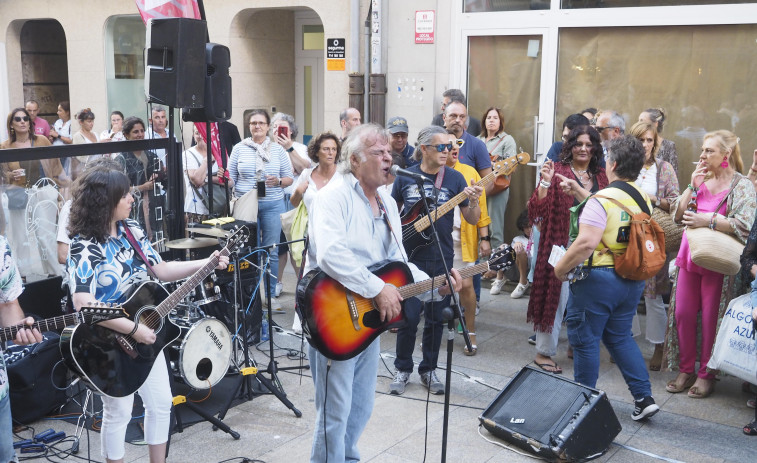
x=645, y=254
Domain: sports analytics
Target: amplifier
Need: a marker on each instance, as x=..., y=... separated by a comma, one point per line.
x=552, y=416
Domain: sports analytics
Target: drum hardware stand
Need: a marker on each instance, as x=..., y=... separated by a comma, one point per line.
x=217, y=423
x=244, y=388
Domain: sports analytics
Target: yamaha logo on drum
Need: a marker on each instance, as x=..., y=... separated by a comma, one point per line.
x=213, y=336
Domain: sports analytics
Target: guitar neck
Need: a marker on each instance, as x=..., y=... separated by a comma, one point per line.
x=188, y=286
x=414, y=289
x=50, y=324
x=425, y=222
x=504, y=167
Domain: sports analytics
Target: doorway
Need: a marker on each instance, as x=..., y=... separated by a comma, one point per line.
x=308, y=62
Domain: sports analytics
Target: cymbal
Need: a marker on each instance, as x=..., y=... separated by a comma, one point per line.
x=191, y=243
x=216, y=232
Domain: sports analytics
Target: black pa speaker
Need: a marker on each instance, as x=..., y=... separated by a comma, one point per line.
x=217, y=87
x=175, y=62
x=552, y=416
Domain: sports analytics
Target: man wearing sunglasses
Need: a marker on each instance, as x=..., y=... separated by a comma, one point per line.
x=610, y=126
x=442, y=184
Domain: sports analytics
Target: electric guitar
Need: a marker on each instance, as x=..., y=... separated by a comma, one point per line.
x=415, y=221
x=97, y=313
x=115, y=364
x=341, y=324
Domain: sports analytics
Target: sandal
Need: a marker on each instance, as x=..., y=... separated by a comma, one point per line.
x=696, y=392
x=751, y=429
x=655, y=363
x=472, y=352
x=555, y=369
x=674, y=388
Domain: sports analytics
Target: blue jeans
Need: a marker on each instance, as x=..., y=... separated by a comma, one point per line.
x=6, y=427
x=432, y=329
x=269, y=223
x=344, y=394
x=602, y=307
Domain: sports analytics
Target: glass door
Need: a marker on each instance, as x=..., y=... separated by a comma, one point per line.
x=505, y=71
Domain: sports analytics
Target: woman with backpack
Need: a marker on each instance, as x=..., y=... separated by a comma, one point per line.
x=603, y=303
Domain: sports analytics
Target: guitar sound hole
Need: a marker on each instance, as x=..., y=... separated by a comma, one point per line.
x=204, y=369
x=372, y=319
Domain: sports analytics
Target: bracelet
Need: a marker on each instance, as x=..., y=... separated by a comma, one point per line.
x=544, y=184
x=134, y=330
x=690, y=187
x=713, y=222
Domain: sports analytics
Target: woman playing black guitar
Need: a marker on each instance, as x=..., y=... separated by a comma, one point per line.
x=103, y=265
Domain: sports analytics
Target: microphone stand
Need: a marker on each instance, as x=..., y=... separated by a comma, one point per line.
x=448, y=314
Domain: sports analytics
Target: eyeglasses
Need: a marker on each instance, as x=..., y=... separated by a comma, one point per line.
x=258, y=123
x=600, y=129
x=21, y=118
x=459, y=142
x=442, y=147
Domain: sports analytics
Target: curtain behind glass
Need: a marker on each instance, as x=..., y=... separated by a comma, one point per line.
x=701, y=75
x=501, y=74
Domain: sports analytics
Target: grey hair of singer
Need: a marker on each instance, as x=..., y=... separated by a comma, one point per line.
x=627, y=153
x=293, y=129
x=425, y=137
x=616, y=120
x=356, y=143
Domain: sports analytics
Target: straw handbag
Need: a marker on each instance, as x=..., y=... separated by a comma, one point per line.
x=673, y=231
x=714, y=250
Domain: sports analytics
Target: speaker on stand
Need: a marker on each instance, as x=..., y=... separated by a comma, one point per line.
x=175, y=62
x=552, y=416
x=217, y=107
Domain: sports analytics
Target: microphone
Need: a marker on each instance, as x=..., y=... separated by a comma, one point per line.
x=398, y=171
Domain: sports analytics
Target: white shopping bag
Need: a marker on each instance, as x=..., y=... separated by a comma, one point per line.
x=735, y=351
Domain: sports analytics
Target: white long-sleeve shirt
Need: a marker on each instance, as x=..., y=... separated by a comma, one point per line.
x=346, y=238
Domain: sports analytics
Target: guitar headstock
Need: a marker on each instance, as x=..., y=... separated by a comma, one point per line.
x=508, y=165
x=236, y=237
x=502, y=258
x=102, y=311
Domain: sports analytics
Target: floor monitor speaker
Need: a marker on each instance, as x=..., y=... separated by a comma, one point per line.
x=552, y=416
x=175, y=62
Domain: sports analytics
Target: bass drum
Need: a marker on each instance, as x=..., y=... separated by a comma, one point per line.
x=203, y=357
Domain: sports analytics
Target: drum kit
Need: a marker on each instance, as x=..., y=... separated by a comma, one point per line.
x=203, y=351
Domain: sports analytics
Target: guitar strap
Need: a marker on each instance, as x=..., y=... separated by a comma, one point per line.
x=384, y=213
x=138, y=249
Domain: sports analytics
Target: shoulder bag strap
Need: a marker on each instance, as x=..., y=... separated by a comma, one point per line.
x=496, y=145
x=138, y=249
x=725, y=198
x=633, y=193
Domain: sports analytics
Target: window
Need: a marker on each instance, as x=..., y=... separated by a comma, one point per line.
x=312, y=37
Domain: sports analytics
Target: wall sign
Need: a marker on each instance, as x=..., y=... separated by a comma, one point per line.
x=335, y=54
x=424, y=26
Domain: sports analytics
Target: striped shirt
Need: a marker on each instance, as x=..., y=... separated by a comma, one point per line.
x=244, y=162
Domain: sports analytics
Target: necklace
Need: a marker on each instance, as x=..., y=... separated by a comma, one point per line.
x=580, y=173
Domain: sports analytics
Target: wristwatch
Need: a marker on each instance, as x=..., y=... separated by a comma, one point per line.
x=657, y=202
x=290, y=149
x=485, y=238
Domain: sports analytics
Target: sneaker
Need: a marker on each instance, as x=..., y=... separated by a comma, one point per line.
x=431, y=381
x=279, y=289
x=497, y=287
x=519, y=290
x=644, y=408
x=397, y=386
x=532, y=339
x=276, y=306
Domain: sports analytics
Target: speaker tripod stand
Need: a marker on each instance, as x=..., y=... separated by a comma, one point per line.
x=247, y=369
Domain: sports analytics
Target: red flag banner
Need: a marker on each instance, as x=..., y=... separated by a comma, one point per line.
x=160, y=9
x=215, y=141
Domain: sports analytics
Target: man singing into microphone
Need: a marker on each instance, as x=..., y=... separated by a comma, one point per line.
x=441, y=184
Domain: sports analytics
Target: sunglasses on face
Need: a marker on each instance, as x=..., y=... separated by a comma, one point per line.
x=21, y=118
x=442, y=147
